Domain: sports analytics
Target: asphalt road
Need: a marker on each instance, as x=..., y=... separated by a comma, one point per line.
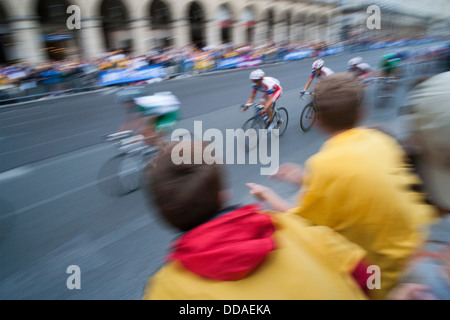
x=54, y=214
x=34, y=131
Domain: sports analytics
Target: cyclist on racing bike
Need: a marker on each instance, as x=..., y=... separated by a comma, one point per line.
x=318, y=71
x=150, y=116
x=271, y=89
x=362, y=70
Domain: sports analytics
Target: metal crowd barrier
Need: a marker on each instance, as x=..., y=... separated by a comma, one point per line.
x=272, y=57
x=33, y=90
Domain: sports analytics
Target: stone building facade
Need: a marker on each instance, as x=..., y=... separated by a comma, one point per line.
x=37, y=30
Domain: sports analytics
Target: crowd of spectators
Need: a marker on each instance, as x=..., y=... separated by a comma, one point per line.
x=23, y=79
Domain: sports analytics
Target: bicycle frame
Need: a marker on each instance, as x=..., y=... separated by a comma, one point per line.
x=386, y=83
x=258, y=107
x=123, y=173
x=308, y=93
x=129, y=142
x=386, y=79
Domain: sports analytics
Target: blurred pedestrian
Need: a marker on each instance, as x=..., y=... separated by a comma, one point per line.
x=429, y=132
x=238, y=253
x=357, y=184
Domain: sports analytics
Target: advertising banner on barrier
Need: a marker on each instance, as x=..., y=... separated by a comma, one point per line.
x=332, y=50
x=131, y=75
x=228, y=63
x=237, y=62
x=249, y=61
x=296, y=55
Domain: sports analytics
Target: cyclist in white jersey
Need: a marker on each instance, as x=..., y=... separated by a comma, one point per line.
x=319, y=71
x=271, y=89
x=362, y=70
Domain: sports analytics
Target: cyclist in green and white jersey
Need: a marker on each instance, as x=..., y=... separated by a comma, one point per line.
x=389, y=65
x=152, y=116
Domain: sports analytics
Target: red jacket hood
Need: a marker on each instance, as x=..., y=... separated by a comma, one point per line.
x=227, y=248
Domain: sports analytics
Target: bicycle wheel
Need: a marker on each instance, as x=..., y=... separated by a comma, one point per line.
x=379, y=94
x=121, y=174
x=281, y=119
x=308, y=117
x=383, y=94
x=130, y=173
x=251, y=128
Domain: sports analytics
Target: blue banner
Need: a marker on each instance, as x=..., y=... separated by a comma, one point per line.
x=237, y=62
x=130, y=75
x=331, y=51
x=58, y=37
x=228, y=63
x=296, y=55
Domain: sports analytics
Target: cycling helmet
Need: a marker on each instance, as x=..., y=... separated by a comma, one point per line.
x=354, y=61
x=403, y=54
x=318, y=64
x=257, y=74
x=129, y=93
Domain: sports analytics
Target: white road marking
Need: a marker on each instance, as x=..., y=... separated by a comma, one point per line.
x=14, y=173
x=44, y=143
x=14, y=135
x=59, y=196
x=30, y=121
x=20, y=172
x=58, y=159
